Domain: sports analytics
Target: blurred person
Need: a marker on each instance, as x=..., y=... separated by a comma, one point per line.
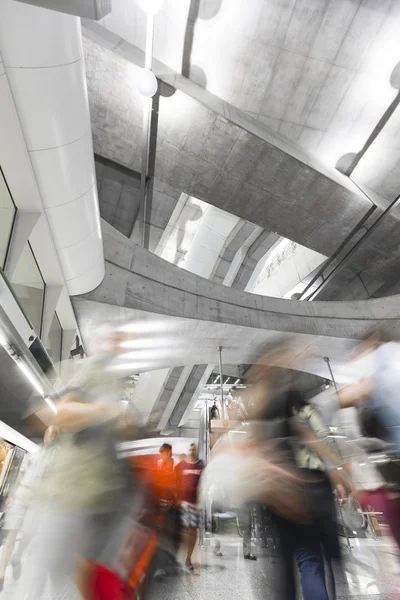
x=85, y=487
x=170, y=531
x=213, y=414
x=378, y=389
x=188, y=477
x=182, y=457
x=214, y=411
x=18, y=518
x=302, y=437
x=374, y=394
x=311, y=544
x=228, y=405
x=245, y=521
x=167, y=479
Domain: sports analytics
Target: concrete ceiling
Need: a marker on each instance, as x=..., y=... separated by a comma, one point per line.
x=191, y=341
x=292, y=129
x=235, y=163
x=321, y=72
x=198, y=315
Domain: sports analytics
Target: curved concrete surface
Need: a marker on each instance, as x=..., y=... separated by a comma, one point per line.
x=198, y=315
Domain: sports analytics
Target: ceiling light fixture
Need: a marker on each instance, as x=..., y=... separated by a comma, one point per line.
x=149, y=326
x=151, y=7
x=147, y=83
x=133, y=366
x=14, y=437
x=30, y=377
x=146, y=354
x=141, y=343
x=15, y=355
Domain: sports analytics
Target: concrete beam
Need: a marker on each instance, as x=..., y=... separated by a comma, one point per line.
x=168, y=387
x=211, y=150
x=253, y=262
x=230, y=160
x=202, y=315
x=189, y=394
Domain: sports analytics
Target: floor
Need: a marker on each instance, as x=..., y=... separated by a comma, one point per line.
x=372, y=571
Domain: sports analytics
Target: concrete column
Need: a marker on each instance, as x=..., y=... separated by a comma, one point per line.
x=51, y=298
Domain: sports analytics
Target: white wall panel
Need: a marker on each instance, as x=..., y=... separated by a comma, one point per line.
x=81, y=257
x=54, y=111
x=88, y=280
x=61, y=187
x=43, y=59
x=71, y=230
x=59, y=32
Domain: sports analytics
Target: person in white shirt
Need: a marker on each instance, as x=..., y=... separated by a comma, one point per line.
x=16, y=515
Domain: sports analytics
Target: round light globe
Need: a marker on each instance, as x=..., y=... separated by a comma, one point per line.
x=151, y=7
x=147, y=83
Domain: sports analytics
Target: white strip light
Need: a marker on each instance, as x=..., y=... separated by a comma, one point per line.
x=51, y=404
x=36, y=385
x=31, y=378
x=27, y=372
x=11, y=435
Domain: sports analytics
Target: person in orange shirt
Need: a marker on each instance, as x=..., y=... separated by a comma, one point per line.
x=166, y=476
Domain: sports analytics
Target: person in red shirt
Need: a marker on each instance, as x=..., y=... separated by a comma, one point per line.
x=188, y=474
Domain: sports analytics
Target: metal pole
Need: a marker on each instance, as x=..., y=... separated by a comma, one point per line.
x=320, y=272
x=221, y=382
x=356, y=247
x=328, y=362
x=147, y=110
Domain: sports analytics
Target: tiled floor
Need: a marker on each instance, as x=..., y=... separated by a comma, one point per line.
x=372, y=572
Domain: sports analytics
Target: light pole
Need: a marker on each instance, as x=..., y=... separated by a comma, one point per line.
x=147, y=86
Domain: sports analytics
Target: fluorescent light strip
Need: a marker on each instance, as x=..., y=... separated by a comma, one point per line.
x=51, y=404
x=12, y=436
x=29, y=376
x=26, y=371
x=36, y=384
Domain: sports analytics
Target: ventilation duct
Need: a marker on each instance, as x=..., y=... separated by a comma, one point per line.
x=87, y=9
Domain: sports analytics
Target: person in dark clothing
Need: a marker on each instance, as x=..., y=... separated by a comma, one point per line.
x=300, y=436
x=214, y=412
x=309, y=544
